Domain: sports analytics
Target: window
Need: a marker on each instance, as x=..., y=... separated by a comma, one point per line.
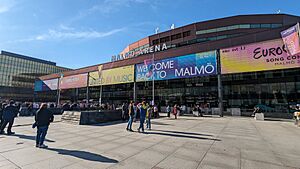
x=176, y=36
x=187, y=33
x=202, y=40
x=245, y=26
x=255, y=26
x=221, y=29
x=265, y=25
x=276, y=25
x=221, y=37
x=212, y=38
x=241, y=26
x=165, y=39
x=211, y=30
x=201, y=32
x=233, y=27
x=155, y=42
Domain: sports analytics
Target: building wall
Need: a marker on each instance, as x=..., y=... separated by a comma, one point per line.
x=275, y=88
x=194, y=43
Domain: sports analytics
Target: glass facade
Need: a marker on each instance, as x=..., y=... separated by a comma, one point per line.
x=18, y=73
x=274, y=89
x=240, y=26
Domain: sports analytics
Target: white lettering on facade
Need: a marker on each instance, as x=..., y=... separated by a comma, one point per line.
x=131, y=54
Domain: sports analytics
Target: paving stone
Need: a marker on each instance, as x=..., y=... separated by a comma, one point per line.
x=51, y=163
x=131, y=164
x=264, y=156
x=220, y=143
x=149, y=157
x=248, y=164
x=220, y=161
x=189, y=154
x=177, y=163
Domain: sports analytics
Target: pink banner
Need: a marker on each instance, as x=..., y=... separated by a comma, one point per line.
x=267, y=55
x=50, y=84
x=290, y=38
x=75, y=81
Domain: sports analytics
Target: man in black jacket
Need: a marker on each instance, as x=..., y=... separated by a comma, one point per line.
x=2, y=105
x=43, y=118
x=9, y=113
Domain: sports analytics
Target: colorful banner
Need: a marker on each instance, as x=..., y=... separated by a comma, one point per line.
x=75, y=81
x=46, y=85
x=199, y=64
x=112, y=76
x=38, y=84
x=267, y=55
x=291, y=39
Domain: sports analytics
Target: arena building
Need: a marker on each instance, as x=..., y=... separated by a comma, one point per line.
x=245, y=51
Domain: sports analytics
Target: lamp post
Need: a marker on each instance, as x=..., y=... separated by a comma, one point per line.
x=100, y=93
x=58, y=89
x=87, y=90
x=153, y=93
x=220, y=87
x=100, y=97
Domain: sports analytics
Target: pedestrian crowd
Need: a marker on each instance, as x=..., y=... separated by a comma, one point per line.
x=144, y=112
x=43, y=115
x=9, y=110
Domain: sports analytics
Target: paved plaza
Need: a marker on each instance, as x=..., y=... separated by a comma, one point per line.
x=185, y=143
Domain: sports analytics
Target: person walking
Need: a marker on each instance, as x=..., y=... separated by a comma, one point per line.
x=123, y=111
x=131, y=114
x=135, y=109
x=175, y=110
x=149, y=116
x=155, y=111
x=201, y=110
x=143, y=111
x=2, y=106
x=43, y=118
x=9, y=114
x=168, y=109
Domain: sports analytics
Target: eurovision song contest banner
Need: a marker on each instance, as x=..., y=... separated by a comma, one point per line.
x=112, y=76
x=75, y=81
x=291, y=39
x=267, y=55
x=45, y=85
x=199, y=64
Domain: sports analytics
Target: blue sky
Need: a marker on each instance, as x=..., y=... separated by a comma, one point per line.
x=79, y=33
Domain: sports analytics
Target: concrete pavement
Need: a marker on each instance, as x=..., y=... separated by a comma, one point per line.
x=185, y=143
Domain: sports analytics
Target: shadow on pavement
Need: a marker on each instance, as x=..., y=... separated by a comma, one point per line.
x=21, y=136
x=179, y=132
x=181, y=136
x=107, y=123
x=84, y=155
x=159, y=123
x=280, y=120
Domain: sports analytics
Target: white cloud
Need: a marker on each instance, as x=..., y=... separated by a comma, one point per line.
x=60, y=34
x=6, y=5
x=109, y=6
x=66, y=34
x=65, y=27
